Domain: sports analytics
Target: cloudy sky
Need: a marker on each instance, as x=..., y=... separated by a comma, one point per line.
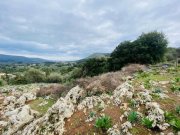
x=73, y=29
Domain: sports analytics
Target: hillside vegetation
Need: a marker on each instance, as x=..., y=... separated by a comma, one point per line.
x=134, y=90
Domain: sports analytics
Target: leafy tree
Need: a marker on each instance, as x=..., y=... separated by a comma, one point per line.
x=34, y=76
x=54, y=78
x=95, y=66
x=121, y=55
x=149, y=48
x=19, y=79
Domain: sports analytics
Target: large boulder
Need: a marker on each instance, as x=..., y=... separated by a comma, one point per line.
x=18, y=118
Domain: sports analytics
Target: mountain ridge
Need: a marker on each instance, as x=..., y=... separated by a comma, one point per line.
x=4, y=58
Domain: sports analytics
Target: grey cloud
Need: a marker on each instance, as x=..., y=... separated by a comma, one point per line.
x=68, y=30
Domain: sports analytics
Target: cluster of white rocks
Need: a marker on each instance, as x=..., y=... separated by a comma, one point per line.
x=15, y=101
x=14, y=113
x=53, y=121
x=24, y=121
x=124, y=90
x=156, y=115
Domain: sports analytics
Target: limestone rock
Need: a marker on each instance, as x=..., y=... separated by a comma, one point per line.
x=114, y=130
x=75, y=94
x=90, y=102
x=125, y=127
x=18, y=118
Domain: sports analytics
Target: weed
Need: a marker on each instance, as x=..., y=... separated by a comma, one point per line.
x=178, y=109
x=175, y=88
x=143, y=75
x=147, y=122
x=175, y=123
x=92, y=114
x=132, y=117
x=103, y=123
x=173, y=120
x=147, y=84
x=177, y=79
x=157, y=90
x=133, y=103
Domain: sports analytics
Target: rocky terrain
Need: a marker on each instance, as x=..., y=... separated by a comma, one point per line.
x=138, y=103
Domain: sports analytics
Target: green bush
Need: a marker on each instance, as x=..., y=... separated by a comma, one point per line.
x=54, y=78
x=149, y=48
x=147, y=122
x=103, y=123
x=19, y=79
x=35, y=76
x=132, y=117
x=95, y=66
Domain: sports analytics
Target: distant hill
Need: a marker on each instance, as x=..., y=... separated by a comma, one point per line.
x=19, y=59
x=95, y=55
x=98, y=55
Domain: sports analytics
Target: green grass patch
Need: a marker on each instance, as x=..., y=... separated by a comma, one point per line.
x=41, y=109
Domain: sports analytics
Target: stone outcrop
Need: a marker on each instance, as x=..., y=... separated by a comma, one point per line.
x=53, y=121
x=18, y=118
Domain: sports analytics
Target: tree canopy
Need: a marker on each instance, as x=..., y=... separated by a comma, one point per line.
x=148, y=48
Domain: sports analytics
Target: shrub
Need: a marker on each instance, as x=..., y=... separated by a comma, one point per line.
x=103, y=123
x=19, y=79
x=54, y=78
x=149, y=48
x=147, y=122
x=53, y=90
x=35, y=76
x=132, y=117
x=95, y=66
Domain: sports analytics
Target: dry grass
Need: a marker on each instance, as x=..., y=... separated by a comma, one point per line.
x=109, y=81
x=55, y=90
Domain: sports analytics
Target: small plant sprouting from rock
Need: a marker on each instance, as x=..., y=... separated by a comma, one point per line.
x=147, y=84
x=133, y=103
x=103, y=123
x=132, y=117
x=178, y=109
x=175, y=88
x=175, y=123
x=92, y=114
x=157, y=90
x=147, y=122
x=173, y=120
